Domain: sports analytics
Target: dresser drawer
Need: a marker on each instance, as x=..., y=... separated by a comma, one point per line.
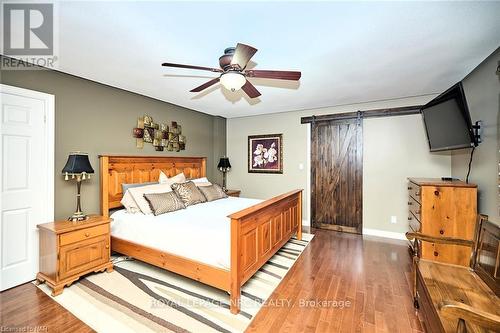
x=415, y=191
x=80, y=235
x=79, y=257
x=415, y=208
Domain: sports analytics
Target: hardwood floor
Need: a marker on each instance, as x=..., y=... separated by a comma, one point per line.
x=28, y=309
x=371, y=276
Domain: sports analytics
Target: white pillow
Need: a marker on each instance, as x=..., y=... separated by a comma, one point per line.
x=201, y=181
x=163, y=179
x=129, y=203
x=180, y=178
x=137, y=194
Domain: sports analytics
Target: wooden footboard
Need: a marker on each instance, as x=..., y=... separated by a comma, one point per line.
x=257, y=233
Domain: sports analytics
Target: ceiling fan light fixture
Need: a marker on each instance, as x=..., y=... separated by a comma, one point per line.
x=232, y=80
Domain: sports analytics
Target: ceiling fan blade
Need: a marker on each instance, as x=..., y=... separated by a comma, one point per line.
x=242, y=55
x=250, y=90
x=167, y=64
x=206, y=85
x=269, y=74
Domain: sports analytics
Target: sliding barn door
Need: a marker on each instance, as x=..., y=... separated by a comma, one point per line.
x=337, y=174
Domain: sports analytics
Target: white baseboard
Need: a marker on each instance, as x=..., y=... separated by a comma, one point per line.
x=383, y=233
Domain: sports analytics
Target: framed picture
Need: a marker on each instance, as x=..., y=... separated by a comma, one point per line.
x=265, y=153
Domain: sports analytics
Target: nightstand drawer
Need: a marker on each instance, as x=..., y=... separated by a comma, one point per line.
x=79, y=257
x=80, y=235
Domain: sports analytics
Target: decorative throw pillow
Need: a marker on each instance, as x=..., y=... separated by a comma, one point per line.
x=188, y=193
x=138, y=195
x=212, y=192
x=161, y=203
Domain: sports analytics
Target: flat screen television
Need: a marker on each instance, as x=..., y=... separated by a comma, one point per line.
x=447, y=121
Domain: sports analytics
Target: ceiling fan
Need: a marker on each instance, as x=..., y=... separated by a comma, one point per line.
x=233, y=72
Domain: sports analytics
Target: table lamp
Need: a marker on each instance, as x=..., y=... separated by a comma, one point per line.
x=78, y=166
x=224, y=167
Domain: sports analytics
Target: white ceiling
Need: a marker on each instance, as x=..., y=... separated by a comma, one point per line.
x=347, y=52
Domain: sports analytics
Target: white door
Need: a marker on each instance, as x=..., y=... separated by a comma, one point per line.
x=26, y=199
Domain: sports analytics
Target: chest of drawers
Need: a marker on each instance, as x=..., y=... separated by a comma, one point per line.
x=446, y=209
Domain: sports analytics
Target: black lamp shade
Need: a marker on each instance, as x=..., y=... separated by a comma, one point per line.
x=224, y=163
x=78, y=163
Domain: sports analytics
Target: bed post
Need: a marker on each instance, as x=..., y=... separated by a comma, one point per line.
x=104, y=180
x=235, y=292
x=299, y=217
x=203, y=167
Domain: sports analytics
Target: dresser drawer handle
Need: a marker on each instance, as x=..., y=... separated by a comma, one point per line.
x=436, y=254
x=418, y=212
x=410, y=218
x=441, y=231
x=107, y=246
x=87, y=234
x=410, y=203
x=417, y=193
x=410, y=188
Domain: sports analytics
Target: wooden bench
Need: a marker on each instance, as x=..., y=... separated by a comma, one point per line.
x=453, y=298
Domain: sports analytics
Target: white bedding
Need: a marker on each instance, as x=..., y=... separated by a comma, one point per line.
x=200, y=232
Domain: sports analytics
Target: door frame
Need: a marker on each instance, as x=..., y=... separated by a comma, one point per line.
x=49, y=141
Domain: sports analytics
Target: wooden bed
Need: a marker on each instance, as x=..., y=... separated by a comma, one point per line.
x=257, y=232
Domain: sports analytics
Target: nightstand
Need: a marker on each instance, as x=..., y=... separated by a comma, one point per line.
x=233, y=193
x=69, y=250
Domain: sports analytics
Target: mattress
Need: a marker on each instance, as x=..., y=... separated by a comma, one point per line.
x=200, y=232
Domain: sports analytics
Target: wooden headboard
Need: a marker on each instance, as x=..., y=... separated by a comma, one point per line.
x=116, y=170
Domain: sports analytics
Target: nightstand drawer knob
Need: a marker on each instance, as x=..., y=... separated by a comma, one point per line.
x=87, y=234
x=107, y=246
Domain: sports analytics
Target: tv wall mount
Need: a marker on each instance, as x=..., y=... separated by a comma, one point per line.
x=476, y=128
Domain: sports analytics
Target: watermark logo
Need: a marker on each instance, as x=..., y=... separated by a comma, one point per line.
x=28, y=36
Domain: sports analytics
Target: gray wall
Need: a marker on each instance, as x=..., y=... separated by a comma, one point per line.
x=482, y=90
x=394, y=148
x=98, y=119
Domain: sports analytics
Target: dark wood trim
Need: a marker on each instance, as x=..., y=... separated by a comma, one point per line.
x=375, y=113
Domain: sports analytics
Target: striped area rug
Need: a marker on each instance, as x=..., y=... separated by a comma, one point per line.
x=138, y=297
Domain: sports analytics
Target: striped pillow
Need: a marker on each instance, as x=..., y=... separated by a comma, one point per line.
x=161, y=203
x=188, y=193
x=212, y=192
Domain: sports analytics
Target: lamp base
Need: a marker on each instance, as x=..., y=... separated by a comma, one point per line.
x=78, y=216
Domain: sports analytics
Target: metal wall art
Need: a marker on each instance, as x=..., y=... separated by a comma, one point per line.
x=161, y=136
